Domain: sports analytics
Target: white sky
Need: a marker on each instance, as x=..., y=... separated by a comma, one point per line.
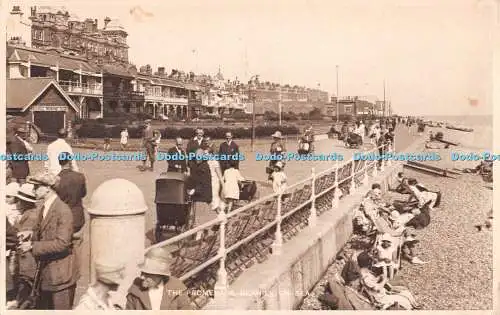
x=434, y=54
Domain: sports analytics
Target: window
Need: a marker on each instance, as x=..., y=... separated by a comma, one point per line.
x=348, y=109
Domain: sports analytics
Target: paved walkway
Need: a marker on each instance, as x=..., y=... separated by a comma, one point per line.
x=97, y=172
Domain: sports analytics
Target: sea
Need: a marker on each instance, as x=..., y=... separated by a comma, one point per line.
x=480, y=139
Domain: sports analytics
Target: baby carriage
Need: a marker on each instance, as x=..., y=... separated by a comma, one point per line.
x=353, y=140
x=173, y=204
x=248, y=190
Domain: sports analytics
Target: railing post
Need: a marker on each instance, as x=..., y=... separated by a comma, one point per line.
x=382, y=162
x=375, y=166
x=221, y=286
x=278, y=238
x=313, y=216
x=337, y=193
x=353, y=184
x=365, y=176
x=389, y=150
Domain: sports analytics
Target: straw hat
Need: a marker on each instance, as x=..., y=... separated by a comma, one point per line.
x=109, y=274
x=27, y=193
x=277, y=134
x=44, y=179
x=395, y=215
x=11, y=189
x=147, y=121
x=156, y=262
x=279, y=164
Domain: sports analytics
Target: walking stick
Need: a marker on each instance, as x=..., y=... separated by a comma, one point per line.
x=32, y=300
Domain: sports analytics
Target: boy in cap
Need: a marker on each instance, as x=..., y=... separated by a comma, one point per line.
x=156, y=289
x=97, y=297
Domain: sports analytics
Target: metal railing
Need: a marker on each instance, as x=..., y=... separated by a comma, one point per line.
x=272, y=216
x=77, y=88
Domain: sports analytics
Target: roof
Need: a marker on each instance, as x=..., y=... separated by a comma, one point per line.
x=159, y=81
x=116, y=70
x=44, y=58
x=22, y=93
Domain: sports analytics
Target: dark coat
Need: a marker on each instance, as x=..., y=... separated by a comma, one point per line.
x=200, y=179
x=228, y=149
x=27, y=263
x=52, y=245
x=11, y=243
x=72, y=189
x=175, y=296
x=191, y=147
x=20, y=169
x=176, y=165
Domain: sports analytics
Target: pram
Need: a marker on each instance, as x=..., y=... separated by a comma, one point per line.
x=353, y=140
x=173, y=204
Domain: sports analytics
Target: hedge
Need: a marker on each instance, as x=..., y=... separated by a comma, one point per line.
x=96, y=130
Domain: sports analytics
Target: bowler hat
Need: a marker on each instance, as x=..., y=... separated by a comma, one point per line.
x=156, y=262
x=147, y=121
x=27, y=193
x=109, y=274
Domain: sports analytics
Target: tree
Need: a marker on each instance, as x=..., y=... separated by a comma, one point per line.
x=315, y=114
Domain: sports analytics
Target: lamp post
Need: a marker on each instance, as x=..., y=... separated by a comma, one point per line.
x=279, y=108
x=251, y=84
x=337, y=99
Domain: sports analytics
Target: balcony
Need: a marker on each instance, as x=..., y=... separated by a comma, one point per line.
x=74, y=87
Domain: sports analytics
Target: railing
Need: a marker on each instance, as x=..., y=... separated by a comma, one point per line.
x=211, y=256
x=77, y=88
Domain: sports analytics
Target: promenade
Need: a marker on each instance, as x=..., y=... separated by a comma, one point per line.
x=97, y=172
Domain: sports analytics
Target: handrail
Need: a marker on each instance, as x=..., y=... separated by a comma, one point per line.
x=222, y=220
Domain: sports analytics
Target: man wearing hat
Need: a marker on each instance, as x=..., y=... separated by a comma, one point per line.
x=55, y=149
x=26, y=200
x=277, y=148
x=156, y=289
x=148, y=144
x=19, y=168
x=195, y=144
x=51, y=245
x=97, y=297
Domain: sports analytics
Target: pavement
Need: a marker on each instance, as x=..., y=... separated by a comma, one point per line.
x=97, y=172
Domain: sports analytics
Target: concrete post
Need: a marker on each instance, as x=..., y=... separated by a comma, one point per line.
x=117, y=224
x=313, y=215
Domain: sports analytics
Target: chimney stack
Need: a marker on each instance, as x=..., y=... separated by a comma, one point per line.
x=106, y=21
x=161, y=71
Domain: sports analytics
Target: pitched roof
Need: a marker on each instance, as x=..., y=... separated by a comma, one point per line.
x=118, y=71
x=45, y=58
x=22, y=93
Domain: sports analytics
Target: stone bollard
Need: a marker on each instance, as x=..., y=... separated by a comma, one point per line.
x=117, y=224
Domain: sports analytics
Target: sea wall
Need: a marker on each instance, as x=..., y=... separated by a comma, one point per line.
x=280, y=282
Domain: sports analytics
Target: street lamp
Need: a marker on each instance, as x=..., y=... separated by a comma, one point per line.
x=337, y=99
x=250, y=85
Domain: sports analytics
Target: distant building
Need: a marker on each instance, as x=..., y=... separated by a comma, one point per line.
x=18, y=27
x=354, y=106
x=55, y=28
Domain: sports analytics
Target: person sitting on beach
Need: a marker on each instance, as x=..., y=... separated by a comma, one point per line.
x=379, y=290
x=402, y=187
x=422, y=194
x=398, y=224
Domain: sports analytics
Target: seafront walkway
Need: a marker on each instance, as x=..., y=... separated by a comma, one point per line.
x=298, y=173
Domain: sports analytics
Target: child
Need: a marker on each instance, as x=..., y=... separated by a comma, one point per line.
x=279, y=178
x=11, y=211
x=156, y=141
x=124, y=138
x=231, y=188
x=107, y=140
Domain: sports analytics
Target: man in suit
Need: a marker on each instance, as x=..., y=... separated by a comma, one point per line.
x=51, y=244
x=178, y=157
x=228, y=147
x=147, y=142
x=19, y=168
x=72, y=189
x=195, y=144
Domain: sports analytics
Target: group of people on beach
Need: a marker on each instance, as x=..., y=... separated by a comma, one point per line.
x=388, y=232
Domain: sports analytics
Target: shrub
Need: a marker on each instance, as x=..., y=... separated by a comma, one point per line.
x=94, y=129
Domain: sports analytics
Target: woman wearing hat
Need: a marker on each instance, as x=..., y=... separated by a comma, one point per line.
x=156, y=289
x=277, y=148
x=97, y=297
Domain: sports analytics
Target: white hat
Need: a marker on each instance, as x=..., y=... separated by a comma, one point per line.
x=11, y=189
x=109, y=274
x=156, y=262
x=27, y=193
x=395, y=215
x=277, y=134
x=279, y=164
